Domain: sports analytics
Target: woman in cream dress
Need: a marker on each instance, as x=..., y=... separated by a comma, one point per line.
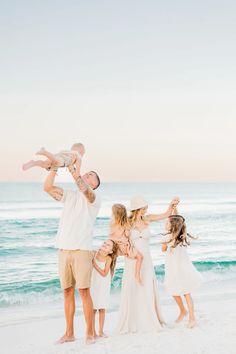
x=140, y=304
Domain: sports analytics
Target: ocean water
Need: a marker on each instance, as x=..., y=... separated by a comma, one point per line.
x=29, y=220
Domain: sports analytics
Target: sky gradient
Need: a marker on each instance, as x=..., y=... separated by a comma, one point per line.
x=148, y=86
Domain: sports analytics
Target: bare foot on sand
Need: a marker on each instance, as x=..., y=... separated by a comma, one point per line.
x=192, y=323
x=181, y=316
x=89, y=340
x=28, y=165
x=65, y=339
x=103, y=335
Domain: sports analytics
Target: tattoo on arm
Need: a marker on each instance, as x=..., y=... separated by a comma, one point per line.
x=89, y=194
x=57, y=193
x=84, y=188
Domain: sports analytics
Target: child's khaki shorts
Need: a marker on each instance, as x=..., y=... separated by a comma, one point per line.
x=75, y=268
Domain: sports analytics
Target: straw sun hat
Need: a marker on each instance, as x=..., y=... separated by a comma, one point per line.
x=137, y=202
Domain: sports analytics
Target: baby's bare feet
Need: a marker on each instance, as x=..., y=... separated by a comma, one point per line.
x=41, y=151
x=65, y=339
x=181, y=316
x=28, y=165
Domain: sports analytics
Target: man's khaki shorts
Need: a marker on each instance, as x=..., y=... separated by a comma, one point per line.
x=75, y=268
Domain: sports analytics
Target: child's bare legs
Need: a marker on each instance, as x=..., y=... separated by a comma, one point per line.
x=191, y=320
x=94, y=323
x=34, y=163
x=183, y=311
x=139, y=259
x=48, y=154
x=102, y=313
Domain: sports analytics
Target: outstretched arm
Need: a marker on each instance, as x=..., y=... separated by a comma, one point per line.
x=75, y=169
x=83, y=187
x=54, y=191
x=157, y=217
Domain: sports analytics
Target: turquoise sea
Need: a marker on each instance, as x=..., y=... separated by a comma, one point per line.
x=29, y=221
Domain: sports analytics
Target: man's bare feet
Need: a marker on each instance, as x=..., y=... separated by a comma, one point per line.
x=65, y=339
x=41, y=151
x=192, y=323
x=28, y=165
x=89, y=340
x=181, y=316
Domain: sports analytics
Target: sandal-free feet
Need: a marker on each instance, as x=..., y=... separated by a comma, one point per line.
x=192, y=324
x=65, y=339
x=28, y=165
x=181, y=316
x=89, y=340
x=41, y=151
x=103, y=335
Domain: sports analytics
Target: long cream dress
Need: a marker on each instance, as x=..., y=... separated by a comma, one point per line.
x=140, y=304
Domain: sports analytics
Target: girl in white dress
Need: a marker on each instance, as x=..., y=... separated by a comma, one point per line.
x=140, y=309
x=104, y=265
x=181, y=277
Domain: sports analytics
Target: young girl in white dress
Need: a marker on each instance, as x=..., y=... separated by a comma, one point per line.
x=104, y=266
x=181, y=277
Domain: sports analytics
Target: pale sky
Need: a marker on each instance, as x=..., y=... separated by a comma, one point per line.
x=148, y=86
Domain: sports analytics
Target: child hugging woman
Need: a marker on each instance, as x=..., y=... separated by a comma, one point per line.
x=104, y=266
x=181, y=277
x=120, y=234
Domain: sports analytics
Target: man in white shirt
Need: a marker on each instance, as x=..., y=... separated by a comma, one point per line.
x=74, y=241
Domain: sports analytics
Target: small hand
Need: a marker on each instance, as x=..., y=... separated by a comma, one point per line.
x=175, y=201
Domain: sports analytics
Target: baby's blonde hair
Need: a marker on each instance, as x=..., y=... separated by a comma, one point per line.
x=78, y=147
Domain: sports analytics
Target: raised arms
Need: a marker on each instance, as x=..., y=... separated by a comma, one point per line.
x=54, y=191
x=169, y=211
x=83, y=187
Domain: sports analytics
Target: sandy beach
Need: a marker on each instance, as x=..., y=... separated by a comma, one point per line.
x=31, y=301
x=215, y=333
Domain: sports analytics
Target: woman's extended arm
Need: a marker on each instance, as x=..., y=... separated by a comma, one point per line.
x=157, y=217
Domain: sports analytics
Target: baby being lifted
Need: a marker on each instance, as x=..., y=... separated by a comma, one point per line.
x=64, y=158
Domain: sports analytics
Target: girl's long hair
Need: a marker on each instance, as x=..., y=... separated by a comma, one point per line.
x=113, y=256
x=120, y=215
x=178, y=231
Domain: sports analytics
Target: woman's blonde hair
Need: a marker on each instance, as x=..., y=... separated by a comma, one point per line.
x=178, y=231
x=133, y=217
x=120, y=215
